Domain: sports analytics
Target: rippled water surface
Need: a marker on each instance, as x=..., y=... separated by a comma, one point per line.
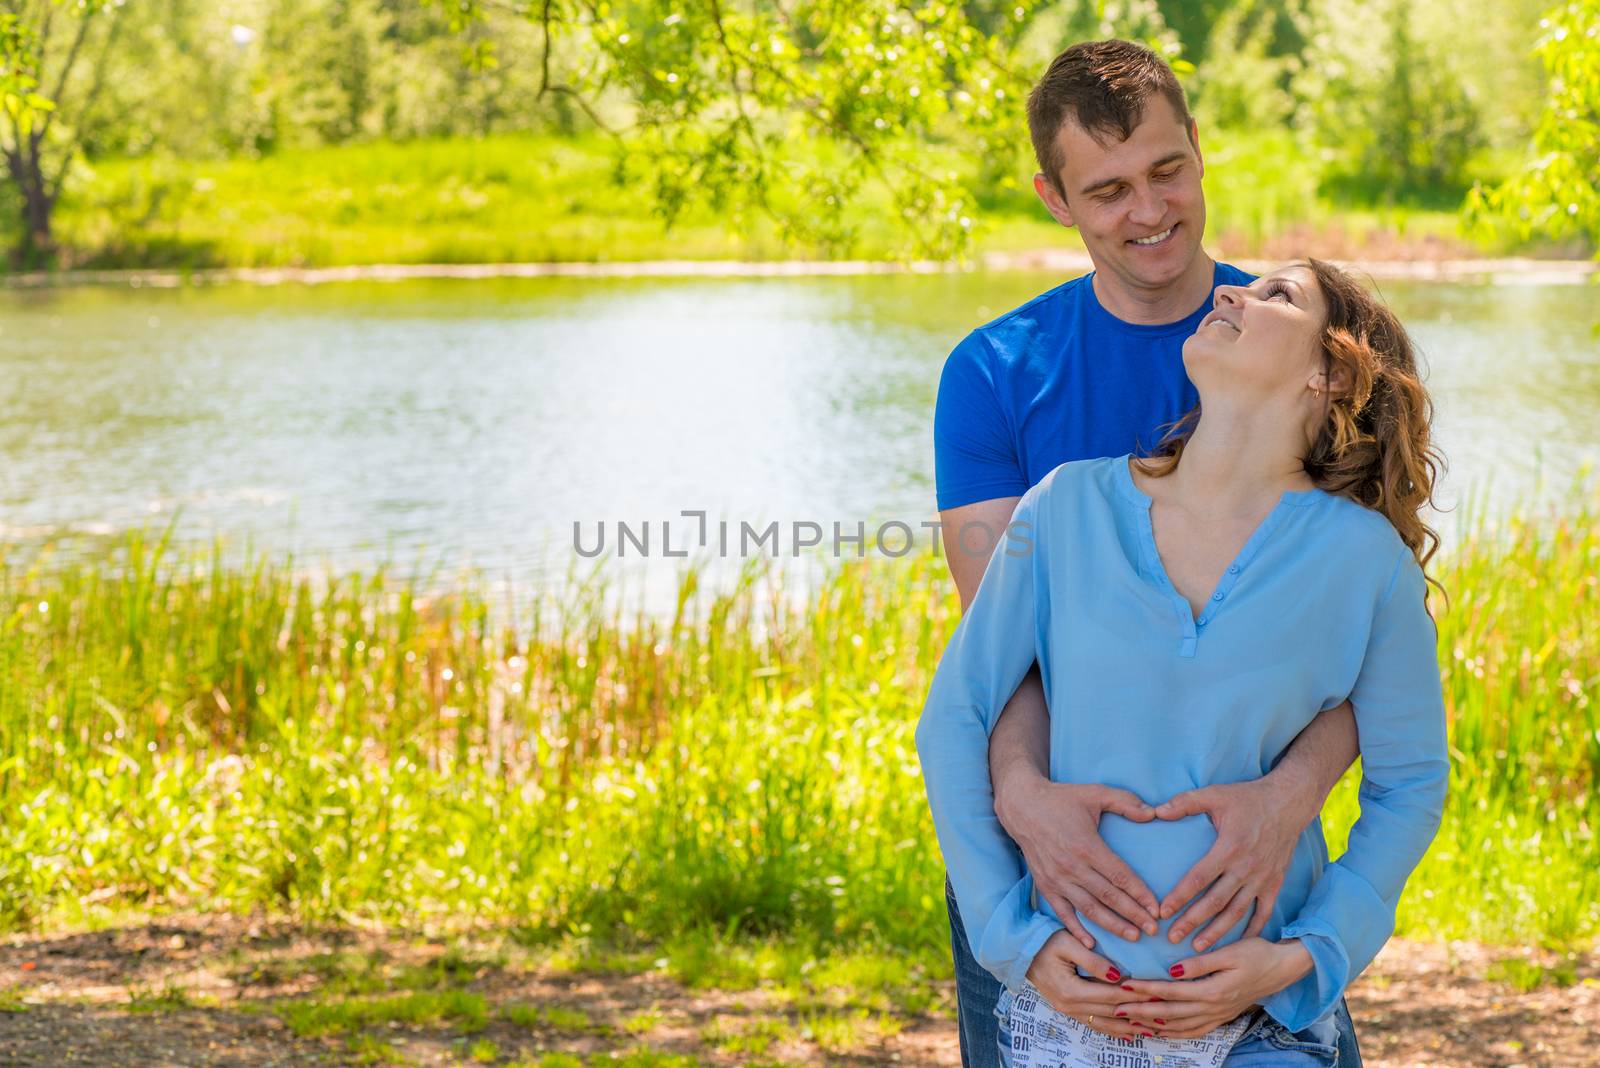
x=472, y=422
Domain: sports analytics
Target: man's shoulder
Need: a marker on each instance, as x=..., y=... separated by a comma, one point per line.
x=1229, y=275
x=1013, y=334
x=1028, y=314
x=1010, y=332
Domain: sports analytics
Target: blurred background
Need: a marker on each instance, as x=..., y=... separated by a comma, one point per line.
x=326, y=325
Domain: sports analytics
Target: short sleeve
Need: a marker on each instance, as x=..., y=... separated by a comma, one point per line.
x=974, y=450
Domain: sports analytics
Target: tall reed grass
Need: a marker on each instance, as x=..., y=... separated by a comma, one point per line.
x=182, y=730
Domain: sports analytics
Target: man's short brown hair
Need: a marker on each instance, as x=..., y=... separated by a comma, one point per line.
x=1102, y=86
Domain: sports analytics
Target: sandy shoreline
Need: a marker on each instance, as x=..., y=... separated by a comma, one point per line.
x=1493, y=271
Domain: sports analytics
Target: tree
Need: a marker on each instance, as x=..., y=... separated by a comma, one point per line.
x=1557, y=194
x=793, y=109
x=55, y=56
x=1387, y=107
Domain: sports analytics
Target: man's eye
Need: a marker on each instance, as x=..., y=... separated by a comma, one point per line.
x=1106, y=198
x=1165, y=175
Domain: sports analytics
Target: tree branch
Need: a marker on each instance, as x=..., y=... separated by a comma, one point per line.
x=84, y=21
x=733, y=83
x=88, y=103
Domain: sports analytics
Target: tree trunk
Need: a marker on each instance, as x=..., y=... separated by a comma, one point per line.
x=38, y=243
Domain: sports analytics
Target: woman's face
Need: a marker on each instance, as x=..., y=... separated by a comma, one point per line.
x=1264, y=338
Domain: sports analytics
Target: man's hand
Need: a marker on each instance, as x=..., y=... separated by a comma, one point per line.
x=1057, y=826
x=1257, y=828
x=1216, y=987
x=1257, y=825
x=1091, y=1002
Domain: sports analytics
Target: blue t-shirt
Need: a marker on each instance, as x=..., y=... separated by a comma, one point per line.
x=1058, y=379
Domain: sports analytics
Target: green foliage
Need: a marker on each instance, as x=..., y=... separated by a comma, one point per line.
x=236, y=737
x=1557, y=194
x=711, y=95
x=1243, y=84
x=20, y=100
x=1390, y=113
x=823, y=129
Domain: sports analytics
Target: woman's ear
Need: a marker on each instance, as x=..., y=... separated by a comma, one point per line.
x=1335, y=381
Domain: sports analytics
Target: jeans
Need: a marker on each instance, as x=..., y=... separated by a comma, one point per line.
x=978, y=997
x=977, y=994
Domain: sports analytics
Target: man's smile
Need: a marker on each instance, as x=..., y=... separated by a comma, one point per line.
x=1155, y=239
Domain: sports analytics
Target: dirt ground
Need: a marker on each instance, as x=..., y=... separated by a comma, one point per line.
x=221, y=991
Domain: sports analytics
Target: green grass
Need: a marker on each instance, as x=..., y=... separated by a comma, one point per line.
x=737, y=786
x=169, y=998
x=325, y=1016
x=1528, y=976
x=551, y=1018
x=535, y=197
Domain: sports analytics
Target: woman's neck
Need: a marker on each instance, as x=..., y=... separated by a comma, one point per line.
x=1238, y=461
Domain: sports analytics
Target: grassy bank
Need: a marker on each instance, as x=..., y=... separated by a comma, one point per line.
x=526, y=198
x=182, y=733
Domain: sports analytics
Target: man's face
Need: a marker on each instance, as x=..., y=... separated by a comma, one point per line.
x=1137, y=203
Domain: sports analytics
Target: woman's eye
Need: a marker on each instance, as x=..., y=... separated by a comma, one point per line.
x=1279, y=291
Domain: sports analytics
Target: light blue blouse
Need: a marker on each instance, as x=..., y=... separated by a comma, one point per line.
x=1323, y=602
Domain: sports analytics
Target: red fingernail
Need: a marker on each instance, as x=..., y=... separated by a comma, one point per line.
x=1147, y=1034
x=1113, y=975
x=1128, y=988
x=1176, y=971
x=1159, y=1020
x=1121, y=1013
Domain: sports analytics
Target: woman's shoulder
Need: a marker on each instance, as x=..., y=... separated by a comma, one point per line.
x=1078, y=481
x=1361, y=534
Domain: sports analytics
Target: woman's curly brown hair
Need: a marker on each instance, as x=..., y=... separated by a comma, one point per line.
x=1374, y=445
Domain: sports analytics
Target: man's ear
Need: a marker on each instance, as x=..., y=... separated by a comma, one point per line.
x=1194, y=142
x=1053, y=201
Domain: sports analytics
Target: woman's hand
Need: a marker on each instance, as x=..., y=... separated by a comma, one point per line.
x=1092, y=1002
x=1216, y=986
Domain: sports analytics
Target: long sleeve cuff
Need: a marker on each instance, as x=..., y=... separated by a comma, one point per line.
x=1014, y=935
x=1343, y=925
x=1308, y=999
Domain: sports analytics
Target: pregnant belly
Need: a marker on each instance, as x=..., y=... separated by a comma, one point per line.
x=1160, y=853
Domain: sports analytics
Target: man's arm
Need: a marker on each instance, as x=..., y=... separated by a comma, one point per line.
x=1055, y=825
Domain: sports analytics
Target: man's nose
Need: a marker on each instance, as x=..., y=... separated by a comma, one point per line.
x=1148, y=208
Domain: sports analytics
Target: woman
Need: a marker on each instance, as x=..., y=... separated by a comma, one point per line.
x=1189, y=614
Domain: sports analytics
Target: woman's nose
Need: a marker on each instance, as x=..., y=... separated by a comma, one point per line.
x=1228, y=295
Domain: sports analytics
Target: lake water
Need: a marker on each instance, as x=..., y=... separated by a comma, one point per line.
x=472, y=422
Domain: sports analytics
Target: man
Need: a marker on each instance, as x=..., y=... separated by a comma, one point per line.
x=1094, y=368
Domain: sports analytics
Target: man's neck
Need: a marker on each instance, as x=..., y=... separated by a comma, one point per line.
x=1153, y=307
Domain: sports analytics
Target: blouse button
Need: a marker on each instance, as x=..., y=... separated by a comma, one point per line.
x=1217, y=596
x=1233, y=569
x=1200, y=622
